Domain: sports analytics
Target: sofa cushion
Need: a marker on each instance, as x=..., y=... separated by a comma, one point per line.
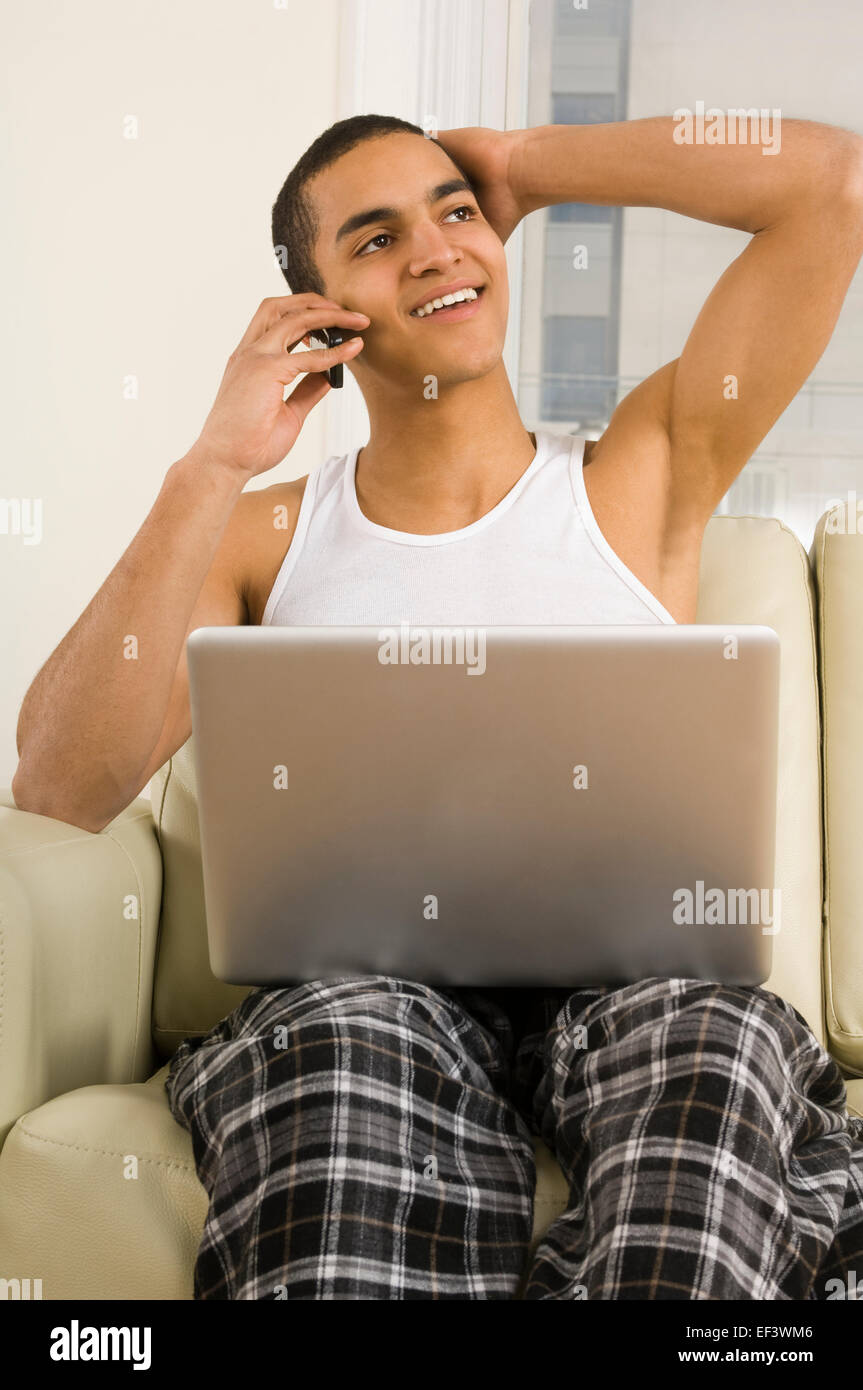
x=73, y=1214
x=70, y=1215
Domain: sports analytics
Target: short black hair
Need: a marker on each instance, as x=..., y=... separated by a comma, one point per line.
x=295, y=224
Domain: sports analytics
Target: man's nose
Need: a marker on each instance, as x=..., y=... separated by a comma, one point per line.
x=430, y=246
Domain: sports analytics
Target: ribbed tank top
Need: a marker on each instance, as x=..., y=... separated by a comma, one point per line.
x=537, y=557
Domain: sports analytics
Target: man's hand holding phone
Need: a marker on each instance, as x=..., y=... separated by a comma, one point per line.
x=251, y=427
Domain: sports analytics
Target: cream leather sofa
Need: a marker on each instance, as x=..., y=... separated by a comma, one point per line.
x=104, y=966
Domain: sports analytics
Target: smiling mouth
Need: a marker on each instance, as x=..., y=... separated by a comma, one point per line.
x=461, y=309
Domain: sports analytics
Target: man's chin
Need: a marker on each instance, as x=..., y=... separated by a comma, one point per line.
x=438, y=371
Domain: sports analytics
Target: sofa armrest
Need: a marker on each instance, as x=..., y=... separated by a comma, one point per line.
x=79, y=917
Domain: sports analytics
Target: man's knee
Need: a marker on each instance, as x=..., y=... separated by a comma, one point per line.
x=319, y=1034
x=704, y=1027
x=374, y=997
x=365, y=1024
x=688, y=1013
x=678, y=994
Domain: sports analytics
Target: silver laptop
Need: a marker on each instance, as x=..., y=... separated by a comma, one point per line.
x=543, y=805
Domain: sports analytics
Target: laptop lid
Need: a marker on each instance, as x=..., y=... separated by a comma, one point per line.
x=500, y=805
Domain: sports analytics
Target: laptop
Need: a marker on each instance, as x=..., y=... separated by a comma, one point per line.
x=542, y=805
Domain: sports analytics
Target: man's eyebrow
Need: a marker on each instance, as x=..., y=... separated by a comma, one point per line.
x=384, y=214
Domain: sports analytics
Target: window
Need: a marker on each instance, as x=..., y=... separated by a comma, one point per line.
x=609, y=294
x=569, y=369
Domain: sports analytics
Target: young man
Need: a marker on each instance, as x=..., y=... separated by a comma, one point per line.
x=385, y=1151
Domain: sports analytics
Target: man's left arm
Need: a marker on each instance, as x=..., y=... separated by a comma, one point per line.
x=770, y=316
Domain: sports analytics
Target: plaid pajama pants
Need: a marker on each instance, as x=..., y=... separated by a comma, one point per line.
x=371, y=1138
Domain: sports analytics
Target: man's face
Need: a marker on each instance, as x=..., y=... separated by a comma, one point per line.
x=391, y=234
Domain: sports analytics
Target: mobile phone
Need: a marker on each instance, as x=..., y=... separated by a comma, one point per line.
x=333, y=337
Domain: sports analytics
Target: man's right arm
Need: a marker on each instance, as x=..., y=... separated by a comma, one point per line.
x=98, y=719
x=111, y=703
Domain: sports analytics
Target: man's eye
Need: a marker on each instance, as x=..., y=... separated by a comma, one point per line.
x=363, y=249
x=464, y=208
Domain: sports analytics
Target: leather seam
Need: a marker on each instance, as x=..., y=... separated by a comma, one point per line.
x=16, y=850
x=140, y=887
x=157, y=944
x=158, y=1160
x=828, y=992
x=814, y=648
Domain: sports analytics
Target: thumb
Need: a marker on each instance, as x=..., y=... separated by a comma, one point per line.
x=305, y=396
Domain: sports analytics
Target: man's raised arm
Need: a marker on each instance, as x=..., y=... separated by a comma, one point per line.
x=771, y=314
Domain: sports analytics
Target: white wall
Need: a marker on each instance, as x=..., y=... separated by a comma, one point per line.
x=144, y=257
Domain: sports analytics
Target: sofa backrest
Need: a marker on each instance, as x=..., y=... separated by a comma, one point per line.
x=837, y=561
x=753, y=570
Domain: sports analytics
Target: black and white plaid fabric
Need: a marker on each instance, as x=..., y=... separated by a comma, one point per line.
x=370, y=1138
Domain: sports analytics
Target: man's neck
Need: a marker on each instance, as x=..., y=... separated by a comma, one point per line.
x=442, y=465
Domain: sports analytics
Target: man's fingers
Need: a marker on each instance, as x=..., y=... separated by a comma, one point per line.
x=291, y=364
x=270, y=311
x=293, y=328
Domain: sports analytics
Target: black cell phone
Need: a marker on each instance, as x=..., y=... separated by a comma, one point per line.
x=333, y=337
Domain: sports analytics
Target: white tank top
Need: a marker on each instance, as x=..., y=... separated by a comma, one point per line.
x=537, y=557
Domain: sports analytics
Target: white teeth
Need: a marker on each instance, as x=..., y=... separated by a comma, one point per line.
x=460, y=297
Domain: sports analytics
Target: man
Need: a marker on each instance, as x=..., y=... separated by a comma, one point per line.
x=384, y=1151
